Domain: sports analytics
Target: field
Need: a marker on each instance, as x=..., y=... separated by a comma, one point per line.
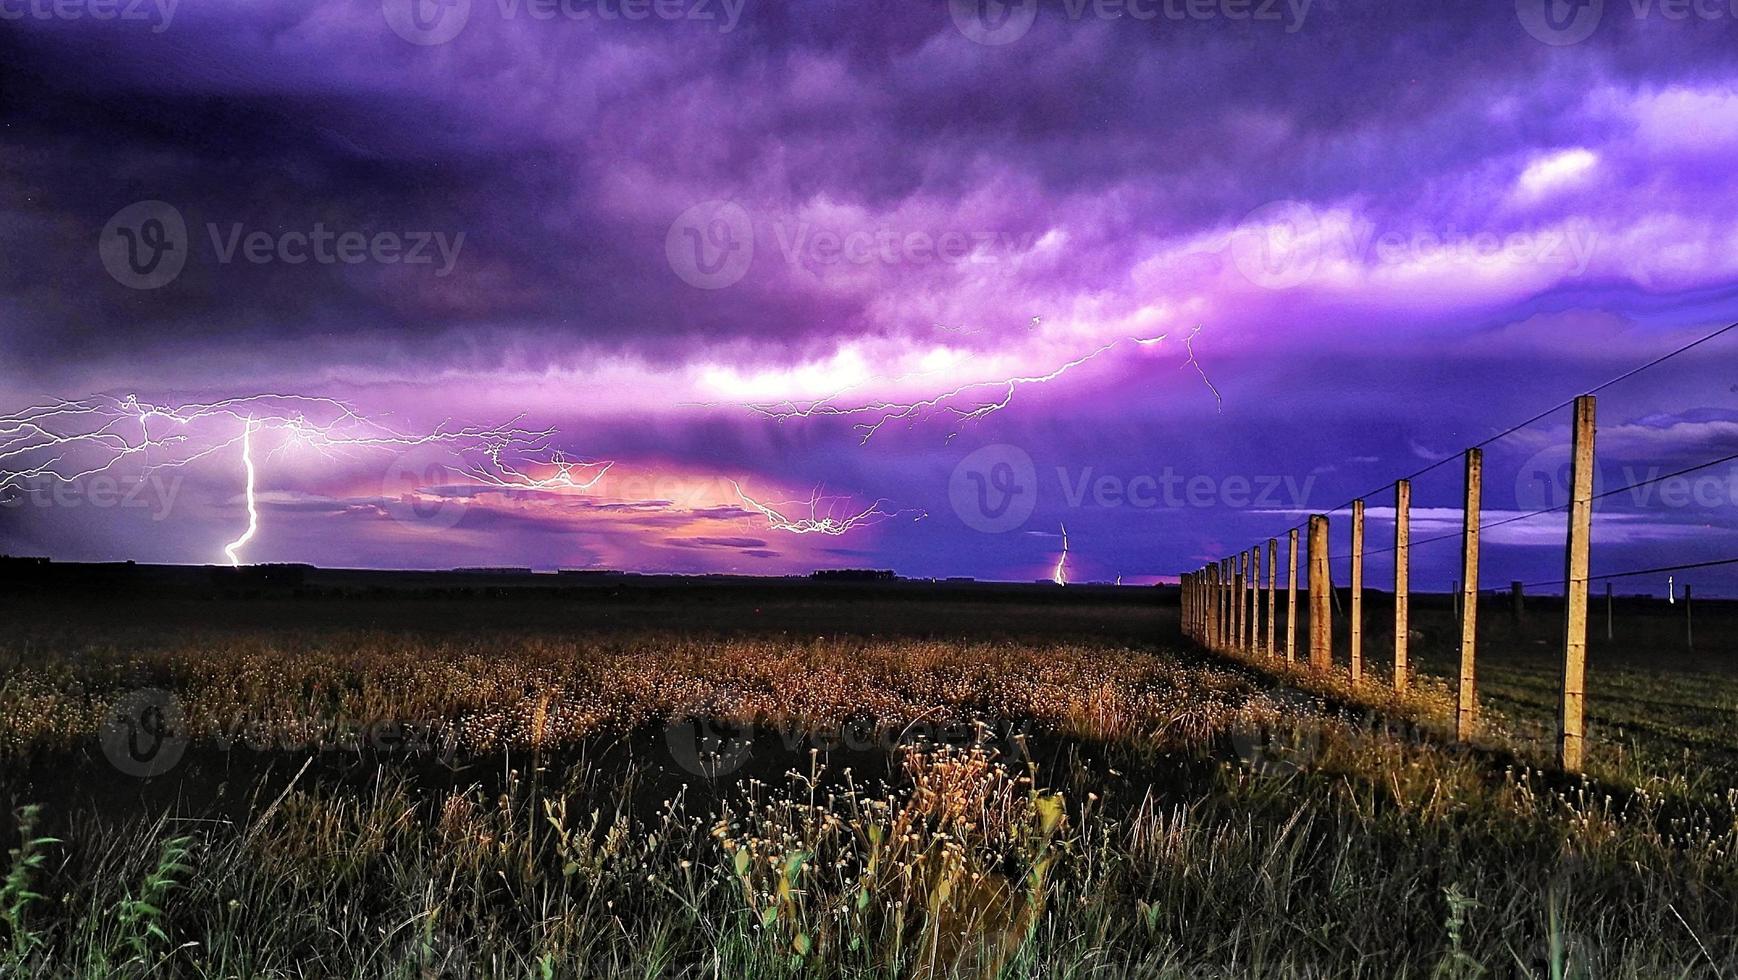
x=723, y=781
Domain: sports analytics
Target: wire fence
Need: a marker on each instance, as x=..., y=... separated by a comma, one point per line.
x=1246, y=603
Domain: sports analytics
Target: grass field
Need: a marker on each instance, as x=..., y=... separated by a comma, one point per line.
x=718, y=783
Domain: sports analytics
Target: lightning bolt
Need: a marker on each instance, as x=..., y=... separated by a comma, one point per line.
x=1189, y=345
x=1060, y=575
x=824, y=516
x=964, y=404
x=885, y=412
x=65, y=440
x=252, y=509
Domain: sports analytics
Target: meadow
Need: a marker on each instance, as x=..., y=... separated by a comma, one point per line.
x=814, y=782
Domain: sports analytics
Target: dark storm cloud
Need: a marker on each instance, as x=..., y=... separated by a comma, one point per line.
x=561, y=151
x=1107, y=161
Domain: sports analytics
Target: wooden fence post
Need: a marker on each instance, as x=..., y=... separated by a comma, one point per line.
x=1194, y=603
x=1195, y=606
x=1250, y=585
x=1402, y=579
x=1201, y=602
x=1224, y=602
x=1466, y=714
x=1240, y=573
x=1199, y=577
x=1209, y=605
x=1572, y=735
x=1321, y=602
x=1255, y=602
x=1272, y=589
x=1291, y=601
x=1195, y=579
x=1209, y=616
x=1184, y=585
x=1357, y=610
x=1216, y=583
x=1212, y=605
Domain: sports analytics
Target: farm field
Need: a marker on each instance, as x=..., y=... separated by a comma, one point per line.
x=801, y=781
x=1656, y=705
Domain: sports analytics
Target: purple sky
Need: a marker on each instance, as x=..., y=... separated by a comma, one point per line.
x=713, y=243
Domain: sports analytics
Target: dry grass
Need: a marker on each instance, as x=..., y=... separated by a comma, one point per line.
x=525, y=692
x=1153, y=815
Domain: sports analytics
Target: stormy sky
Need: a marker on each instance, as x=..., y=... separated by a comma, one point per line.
x=902, y=285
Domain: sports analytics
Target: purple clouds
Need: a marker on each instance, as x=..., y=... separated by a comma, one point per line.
x=1399, y=227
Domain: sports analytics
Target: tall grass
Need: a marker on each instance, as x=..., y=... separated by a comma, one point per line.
x=1160, y=818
